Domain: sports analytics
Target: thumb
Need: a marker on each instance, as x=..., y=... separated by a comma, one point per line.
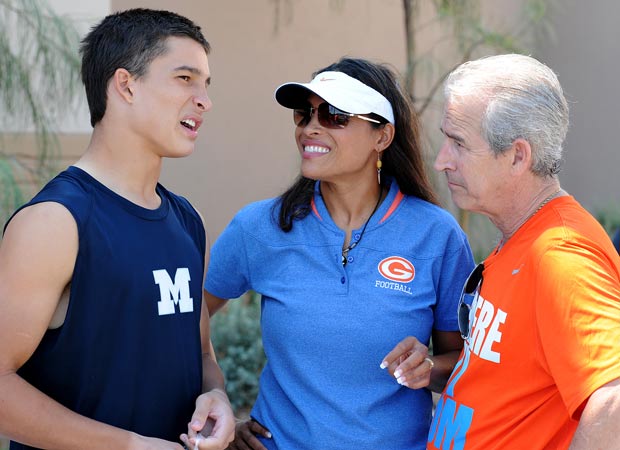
x=199, y=418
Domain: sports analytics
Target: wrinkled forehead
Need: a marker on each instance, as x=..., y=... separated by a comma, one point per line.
x=463, y=114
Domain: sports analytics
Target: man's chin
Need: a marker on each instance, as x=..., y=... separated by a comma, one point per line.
x=458, y=198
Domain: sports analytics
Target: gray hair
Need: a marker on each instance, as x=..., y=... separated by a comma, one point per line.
x=524, y=100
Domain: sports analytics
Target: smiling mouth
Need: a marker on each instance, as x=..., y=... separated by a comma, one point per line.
x=315, y=149
x=189, y=124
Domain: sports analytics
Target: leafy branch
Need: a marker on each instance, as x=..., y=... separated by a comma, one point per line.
x=39, y=81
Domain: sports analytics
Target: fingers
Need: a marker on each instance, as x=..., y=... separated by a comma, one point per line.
x=187, y=445
x=200, y=416
x=405, y=349
x=220, y=436
x=245, y=436
x=212, y=425
x=256, y=427
x=409, y=363
x=414, y=374
x=202, y=443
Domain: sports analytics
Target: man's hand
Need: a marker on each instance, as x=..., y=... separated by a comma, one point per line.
x=409, y=363
x=245, y=436
x=212, y=408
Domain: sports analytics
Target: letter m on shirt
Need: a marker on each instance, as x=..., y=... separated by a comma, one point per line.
x=450, y=424
x=173, y=293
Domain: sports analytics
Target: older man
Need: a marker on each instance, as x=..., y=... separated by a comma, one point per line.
x=541, y=316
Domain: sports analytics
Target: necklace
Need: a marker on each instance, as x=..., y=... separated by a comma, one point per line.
x=352, y=245
x=543, y=203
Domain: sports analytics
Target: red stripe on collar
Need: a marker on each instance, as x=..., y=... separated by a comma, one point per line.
x=399, y=197
x=313, y=205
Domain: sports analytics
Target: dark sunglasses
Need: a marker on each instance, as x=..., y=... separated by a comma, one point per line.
x=469, y=297
x=329, y=116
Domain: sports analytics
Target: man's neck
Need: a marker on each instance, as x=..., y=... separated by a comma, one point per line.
x=123, y=168
x=526, y=206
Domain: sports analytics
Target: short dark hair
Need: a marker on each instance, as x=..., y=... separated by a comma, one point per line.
x=129, y=39
x=402, y=160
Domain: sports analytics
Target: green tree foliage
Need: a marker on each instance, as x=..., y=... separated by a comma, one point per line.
x=609, y=217
x=459, y=32
x=39, y=80
x=236, y=336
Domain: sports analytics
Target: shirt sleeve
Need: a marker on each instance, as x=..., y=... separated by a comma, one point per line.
x=228, y=273
x=578, y=317
x=456, y=266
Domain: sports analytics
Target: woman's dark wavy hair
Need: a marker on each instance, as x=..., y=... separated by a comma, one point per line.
x=402, y=160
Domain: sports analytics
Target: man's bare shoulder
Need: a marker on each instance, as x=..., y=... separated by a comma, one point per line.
x=37, y=257
x=45, y=218
x=42, y=236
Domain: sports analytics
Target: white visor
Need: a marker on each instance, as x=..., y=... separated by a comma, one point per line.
x=340, y=90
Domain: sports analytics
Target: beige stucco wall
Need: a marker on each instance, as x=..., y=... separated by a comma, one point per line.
x=586, y=56
x=246, y=150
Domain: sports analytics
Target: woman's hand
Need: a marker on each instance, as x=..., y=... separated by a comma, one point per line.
x=245, y=436
x=409, y=363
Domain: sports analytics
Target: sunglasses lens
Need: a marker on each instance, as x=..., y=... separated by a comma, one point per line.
x=474, y=279
x=469, y=296
x=464, y=310
x=466, y=306
x=329, y=116
x=332, y=117
x=301, y=117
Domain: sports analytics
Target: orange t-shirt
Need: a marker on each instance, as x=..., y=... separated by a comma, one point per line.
x=545, y=335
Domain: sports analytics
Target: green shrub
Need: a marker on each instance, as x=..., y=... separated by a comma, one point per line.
x=609, y=217
x=236, y=337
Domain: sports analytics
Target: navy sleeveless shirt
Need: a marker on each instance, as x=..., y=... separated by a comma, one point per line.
x=129, y=352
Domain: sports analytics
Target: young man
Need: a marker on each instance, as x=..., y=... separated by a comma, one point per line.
x=104, y=338
x=541, y=316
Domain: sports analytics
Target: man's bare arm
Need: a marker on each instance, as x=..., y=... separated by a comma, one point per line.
x=600, y=421
x=37, y=256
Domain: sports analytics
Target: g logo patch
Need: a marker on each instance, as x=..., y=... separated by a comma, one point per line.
x=397, y=269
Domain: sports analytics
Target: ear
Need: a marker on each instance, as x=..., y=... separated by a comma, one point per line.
x=521, y=156
x=123, y=84
x=386, y=136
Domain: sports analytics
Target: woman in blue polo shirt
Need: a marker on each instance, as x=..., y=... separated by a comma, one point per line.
x=358, y=268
